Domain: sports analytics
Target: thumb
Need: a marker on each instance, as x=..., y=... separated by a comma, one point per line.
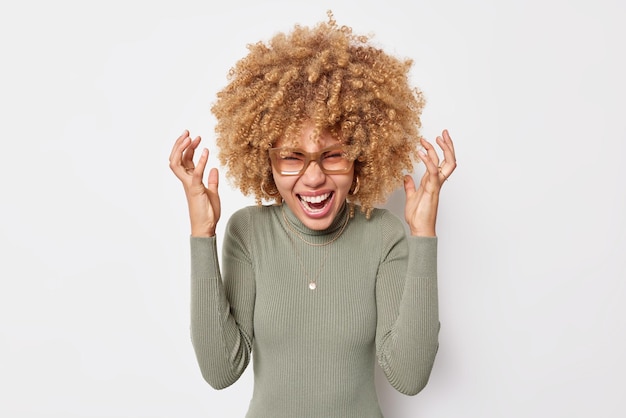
x=409, y=185
x=213, y=180
x=212, y=194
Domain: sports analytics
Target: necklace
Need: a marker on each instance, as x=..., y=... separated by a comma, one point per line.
x=312, y=282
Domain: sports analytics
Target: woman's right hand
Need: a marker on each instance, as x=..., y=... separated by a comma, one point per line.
x=203, y=201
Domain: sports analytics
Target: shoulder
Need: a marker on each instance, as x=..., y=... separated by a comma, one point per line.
x=241, y=228
x=251, y=215
x=383, y=227
x=382, y=219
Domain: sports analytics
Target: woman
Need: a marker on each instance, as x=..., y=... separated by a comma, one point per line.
x=320, y=285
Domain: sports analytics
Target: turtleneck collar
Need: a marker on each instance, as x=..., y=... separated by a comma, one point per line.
x=296, y=224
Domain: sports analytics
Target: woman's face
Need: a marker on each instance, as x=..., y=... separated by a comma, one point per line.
x=314, y=197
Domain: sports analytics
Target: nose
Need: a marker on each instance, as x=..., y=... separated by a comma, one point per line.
x=313, y=175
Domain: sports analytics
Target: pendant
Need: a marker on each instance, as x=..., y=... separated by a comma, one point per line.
x=312, y=285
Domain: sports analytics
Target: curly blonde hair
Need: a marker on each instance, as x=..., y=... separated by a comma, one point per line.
x=337, y=80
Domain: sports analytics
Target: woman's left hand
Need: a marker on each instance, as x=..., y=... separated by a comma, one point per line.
x=421, y=204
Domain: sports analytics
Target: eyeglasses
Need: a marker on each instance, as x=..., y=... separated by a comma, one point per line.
x=294, y=162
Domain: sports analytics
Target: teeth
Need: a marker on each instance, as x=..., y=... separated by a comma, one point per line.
x=315, y=199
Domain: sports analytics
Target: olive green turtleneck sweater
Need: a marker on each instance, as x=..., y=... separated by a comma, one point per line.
x=315, y=350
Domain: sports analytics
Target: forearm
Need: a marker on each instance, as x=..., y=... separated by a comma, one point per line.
x=407, y=352
x=222, y=348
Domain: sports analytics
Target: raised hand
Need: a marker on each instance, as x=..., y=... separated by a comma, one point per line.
x=203, y=201
x=421, y=204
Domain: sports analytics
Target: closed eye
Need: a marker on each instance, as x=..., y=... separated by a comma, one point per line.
x=292, y=156
x=334, y=154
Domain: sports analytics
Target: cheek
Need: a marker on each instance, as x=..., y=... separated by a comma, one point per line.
x=344, y=183
x=284, y=183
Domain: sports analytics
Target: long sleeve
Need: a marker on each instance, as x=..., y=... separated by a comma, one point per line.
x=222, y=309
x=314, y=350
x=407, y=305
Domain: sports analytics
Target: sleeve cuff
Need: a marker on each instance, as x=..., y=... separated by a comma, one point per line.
x=423, y=256
x=204, y=260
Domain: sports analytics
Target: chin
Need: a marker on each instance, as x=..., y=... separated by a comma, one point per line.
x=317, y=215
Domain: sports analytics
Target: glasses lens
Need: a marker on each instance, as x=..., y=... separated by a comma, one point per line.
x=292, y=161
x=288, y=161
x=334, y=160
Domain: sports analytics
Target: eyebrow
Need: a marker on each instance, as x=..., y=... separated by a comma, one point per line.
x=297, y=149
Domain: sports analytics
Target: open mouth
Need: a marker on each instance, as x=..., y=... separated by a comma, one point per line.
x=316, y=204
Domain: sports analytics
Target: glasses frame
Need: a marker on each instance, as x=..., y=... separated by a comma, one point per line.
x=308, y=158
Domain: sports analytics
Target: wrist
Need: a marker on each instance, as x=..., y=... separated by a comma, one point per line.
x=423, y=228
x=423, y=232
x=202, y=234
x=202, y=231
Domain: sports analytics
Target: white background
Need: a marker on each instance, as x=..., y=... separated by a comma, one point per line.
x=94, y=297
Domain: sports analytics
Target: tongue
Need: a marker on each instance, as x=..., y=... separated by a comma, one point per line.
x=319, y=205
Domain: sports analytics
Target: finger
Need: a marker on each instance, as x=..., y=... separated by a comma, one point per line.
x=409, y=186
x=413, y=195
x=432, y=178
x=448, y=152
x=431, y=166
x=176, y=156
x=198, y=172
x=448, y=139
x=212, y=186
x=182, y=136
x=175, y=153
x=445, y=144
x=430, y=150
x=213, y=180
x=187, y=158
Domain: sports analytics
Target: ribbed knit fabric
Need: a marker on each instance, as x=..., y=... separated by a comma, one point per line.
x=315, y=350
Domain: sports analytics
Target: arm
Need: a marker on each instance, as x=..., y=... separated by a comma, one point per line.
x=407, y=305
x=408, y=324
x=221, y=323
x=222, y=310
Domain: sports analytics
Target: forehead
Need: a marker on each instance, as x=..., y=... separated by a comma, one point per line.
x=307, y=139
